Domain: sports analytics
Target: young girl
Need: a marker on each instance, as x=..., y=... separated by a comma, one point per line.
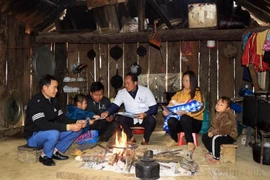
x=77, y=111
x=223, y=130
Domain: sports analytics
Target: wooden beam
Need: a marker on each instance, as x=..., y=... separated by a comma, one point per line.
x=256, y=11
x=99, y=3
x=165, y=35
x=154, y=5
x=141, y=14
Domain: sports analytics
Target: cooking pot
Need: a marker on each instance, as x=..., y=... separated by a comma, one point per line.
x=116, y=52
x=147, y=168
x=256, y=150
x=91, y=54
x=141, y=51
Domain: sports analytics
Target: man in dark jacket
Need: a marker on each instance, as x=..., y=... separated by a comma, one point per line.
x=97, y=103
x=46, y=126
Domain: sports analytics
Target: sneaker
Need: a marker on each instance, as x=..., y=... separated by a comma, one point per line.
x=46, y=161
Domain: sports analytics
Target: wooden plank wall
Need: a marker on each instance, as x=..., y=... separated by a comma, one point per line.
x=215, y=71
x=14, y=60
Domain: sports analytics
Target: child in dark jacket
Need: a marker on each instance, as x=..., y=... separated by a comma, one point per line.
x=77, y=111
x=223, y=130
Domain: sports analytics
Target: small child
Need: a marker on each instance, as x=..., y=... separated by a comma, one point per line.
x=77, y=111
x=223, y=130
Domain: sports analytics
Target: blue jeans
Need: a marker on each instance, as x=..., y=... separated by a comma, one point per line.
x=50, y=139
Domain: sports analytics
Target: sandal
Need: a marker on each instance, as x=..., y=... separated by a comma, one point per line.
x=213, y=161
x=208, y=155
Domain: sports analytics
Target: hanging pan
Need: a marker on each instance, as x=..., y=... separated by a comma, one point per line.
x=12, y=109
x=91, y=54
x=43, y=62
x=116, y=52
x=117, y=81
x=141, y=51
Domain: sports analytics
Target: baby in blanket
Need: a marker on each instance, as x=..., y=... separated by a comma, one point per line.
x=189, y=106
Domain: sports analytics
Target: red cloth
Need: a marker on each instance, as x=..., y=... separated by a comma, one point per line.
x=250, y=55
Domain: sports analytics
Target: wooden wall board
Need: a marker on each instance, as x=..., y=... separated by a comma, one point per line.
x=239, y=69
x=143, y=61
x=213, y=80
x=226, y=79
x=173, y=57
x=204, y=65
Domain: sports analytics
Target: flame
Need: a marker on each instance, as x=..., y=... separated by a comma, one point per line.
x=120, y=142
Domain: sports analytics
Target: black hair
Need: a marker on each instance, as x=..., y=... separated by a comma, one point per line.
x=227, y=100
x=96, y=86
x=46, y=80
x=193, y=83
x=79, y=98
x=133, y=77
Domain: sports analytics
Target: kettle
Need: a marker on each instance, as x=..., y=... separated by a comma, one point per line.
x=147, y=168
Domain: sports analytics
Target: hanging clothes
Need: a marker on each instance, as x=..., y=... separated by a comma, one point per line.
x=253, y=52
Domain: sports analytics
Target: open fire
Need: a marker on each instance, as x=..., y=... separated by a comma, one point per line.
x=119, y=156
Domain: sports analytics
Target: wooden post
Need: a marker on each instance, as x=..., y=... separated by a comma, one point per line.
x=141, y=14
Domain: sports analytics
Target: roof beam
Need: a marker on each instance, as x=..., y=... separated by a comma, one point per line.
x=166, y=35
x=154, y=5
x=256, y=11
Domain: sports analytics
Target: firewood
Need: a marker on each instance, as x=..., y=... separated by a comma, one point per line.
x=112, y=159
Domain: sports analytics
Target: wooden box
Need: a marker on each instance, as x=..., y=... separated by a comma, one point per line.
x=28, y=154
x=201, y=15
x=228, y=153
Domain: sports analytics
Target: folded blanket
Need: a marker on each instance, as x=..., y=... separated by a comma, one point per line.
x=190, y=106
x=91, y=136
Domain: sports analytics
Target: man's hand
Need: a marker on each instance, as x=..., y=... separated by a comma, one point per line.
x=74, y=127
x=141, y=115
x=104, y=115
x=110, y=118
x=210, y=134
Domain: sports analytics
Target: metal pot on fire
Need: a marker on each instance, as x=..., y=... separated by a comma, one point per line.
x=147, y=168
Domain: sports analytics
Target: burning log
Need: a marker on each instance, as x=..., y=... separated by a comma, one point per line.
x=130, y=158
x=97, y=159
x=112, y=159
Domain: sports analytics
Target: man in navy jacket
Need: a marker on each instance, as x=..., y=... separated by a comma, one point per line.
x=46, y=126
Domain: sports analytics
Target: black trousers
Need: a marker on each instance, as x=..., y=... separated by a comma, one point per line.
x=213, y=144
x=105, y=129
x=187, y=124
x=149, y=124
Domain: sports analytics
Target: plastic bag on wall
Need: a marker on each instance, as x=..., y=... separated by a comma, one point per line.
x=132, y=25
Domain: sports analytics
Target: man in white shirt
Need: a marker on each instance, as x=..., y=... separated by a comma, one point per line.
x=138, y=100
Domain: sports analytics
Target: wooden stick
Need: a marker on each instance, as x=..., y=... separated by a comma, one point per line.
x=112, y=159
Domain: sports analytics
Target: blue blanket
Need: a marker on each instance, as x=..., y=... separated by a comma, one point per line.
x=191, y=106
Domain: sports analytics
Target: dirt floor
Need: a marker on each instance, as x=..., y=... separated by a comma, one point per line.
x=12, y=169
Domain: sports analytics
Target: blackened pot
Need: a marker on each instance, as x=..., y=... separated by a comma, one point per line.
x=256, y=150
x=147, y=168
